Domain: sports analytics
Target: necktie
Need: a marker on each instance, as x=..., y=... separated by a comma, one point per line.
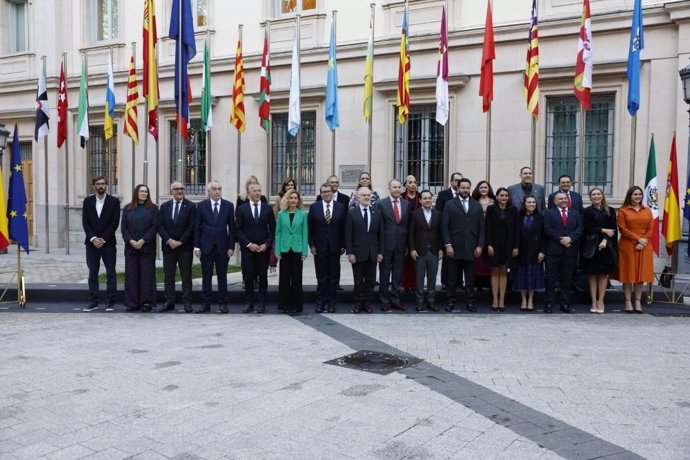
x=328, y=213
x=215, y=211
x=570, y=205
x=464, y=204
x=366, y=219
x=396, y=211
x=564, y=217
x=176, y=211
x=256, y=212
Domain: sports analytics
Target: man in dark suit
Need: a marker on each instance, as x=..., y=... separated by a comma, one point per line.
x=565, y=183
x=214, y=244
x=176, y=227
x=364, y=247
x=100, y=219
x=526, y=187
x=443, y=197
x=562, y=229
x=326, y=223
x=341, y=198
x=424, y=243
x=395, y=214
x=256, y=226
x=462, y=228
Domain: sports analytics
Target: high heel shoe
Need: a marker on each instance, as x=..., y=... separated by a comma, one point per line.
x=638, y=306
x=628, y=306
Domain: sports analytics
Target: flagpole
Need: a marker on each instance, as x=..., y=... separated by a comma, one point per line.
x=370, y=123
x=269, y=131
x=581, y=150
x=335, y=34
x=45, y=172
x=158, y=162
x=21, y=294
x=633, y=142
x=405, y=130
x=488, y=145
x=180, y=156
x=110, y=141
x=64, y=67
x=207, y=134
x=134, y=53
x=533, y=144
x=299, y=79
x=239, y=133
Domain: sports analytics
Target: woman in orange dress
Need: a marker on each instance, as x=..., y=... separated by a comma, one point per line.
x=635, y=262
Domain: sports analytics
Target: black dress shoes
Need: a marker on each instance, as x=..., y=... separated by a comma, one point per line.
x=548, y=308
x=433, y=306
x=205, y=309
x=319, y=309
x=450, y=308
x=367, y=308
x=166, y=307
x=357, y=309
x=331, y=309
x=470, y=307
x=188, y=308
x=385, y=307
x=248, y=309
x=399, y=307
x=261, y=309
x=567, y=309
x=224, y=308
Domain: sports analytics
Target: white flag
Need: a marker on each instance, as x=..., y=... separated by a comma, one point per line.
x=294, y=115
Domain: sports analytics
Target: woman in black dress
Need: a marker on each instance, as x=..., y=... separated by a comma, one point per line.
x=600, y=247
x=501, y=245
x=531, y=252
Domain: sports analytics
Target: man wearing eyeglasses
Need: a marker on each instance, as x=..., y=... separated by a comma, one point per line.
x=176, y=228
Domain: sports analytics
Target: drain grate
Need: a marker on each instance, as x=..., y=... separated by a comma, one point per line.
x=374, y=361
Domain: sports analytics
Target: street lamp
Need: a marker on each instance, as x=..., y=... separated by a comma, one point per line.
x=4, y=134
x=685, y=79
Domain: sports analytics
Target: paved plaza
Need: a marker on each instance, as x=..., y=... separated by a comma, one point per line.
x=510, y=386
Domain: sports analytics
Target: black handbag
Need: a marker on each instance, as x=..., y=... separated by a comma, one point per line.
x=590, y=247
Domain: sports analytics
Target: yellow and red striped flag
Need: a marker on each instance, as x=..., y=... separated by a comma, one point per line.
x=151, y=91
x=131, y=116
x=4, y=223
x=583, y=64
x=237, y=113
x=369, y=72
x=532, y=65
x=404, y=72
x=671, y=224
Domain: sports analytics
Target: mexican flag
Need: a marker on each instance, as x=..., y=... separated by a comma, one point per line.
x=651, y=196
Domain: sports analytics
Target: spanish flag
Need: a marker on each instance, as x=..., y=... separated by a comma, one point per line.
x=671, y=224
x=4, y=226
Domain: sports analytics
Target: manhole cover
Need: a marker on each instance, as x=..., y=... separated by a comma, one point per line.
x=373, y=361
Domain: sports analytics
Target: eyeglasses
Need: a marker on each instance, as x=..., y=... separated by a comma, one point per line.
x=178, y=189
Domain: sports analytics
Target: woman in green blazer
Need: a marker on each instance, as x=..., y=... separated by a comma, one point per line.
x=291, y=248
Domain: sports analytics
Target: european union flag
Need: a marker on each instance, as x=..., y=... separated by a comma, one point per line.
x=16, y=203
x=182, y=28
x=636, y=46
x=332, y=115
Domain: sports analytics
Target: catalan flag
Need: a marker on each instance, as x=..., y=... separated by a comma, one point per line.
x=583, y=64
x=131, y=128
x=237, y=115
x=404, y=72
x=265, y=88
x=109, y=102
x=670, y=227
x=17, y=215
x=151, y=91
x=442, y=102
x=486, y=82
x=369, y=72
x=532, y=65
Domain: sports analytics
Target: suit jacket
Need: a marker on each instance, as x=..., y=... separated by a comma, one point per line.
x=339, y=197
x=494, y=230
x=210, y=232
x=443, y=197
x=292, y=236
x=104, y=226
x=182, y=230
x=531, y=242
x=395, y=234
x=554, y=230
x=250, y=231
x=464, y=231
x=575, y=201
x=148, y=225
x=423, y=237
x=324, y=237
x=517, y=194
x=364, y=244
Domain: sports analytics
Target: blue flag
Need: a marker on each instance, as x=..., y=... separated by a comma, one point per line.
x=16, y=203
x=636, y=46
x=332, y=115
x=182, y=31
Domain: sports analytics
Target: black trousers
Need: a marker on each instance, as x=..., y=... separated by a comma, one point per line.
x=327, y=269
x=290, y=282
x=364, y=274
x=559, y=272
x=219, y=261
x=455, y=270
x=181, y=258
x=94, y=256
x=140, y=279
x=255, y=267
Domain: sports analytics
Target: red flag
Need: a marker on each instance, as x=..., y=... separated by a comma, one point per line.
x=486, y=83
x=62, y=108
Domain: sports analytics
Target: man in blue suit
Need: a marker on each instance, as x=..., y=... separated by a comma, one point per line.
x=565, y=183
x=326, y=223
x=214, y=244
x=395, y=213
x=563, y=229
x=256, y=226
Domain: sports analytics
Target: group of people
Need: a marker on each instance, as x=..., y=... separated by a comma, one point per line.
x=480, y=235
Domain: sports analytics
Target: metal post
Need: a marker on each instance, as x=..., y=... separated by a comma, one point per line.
x=269, y=132
x=64, y=65
x=488, y=145
x=134, y=147
x=180, y=155
x=45, y=174
x=110, y=141
x=533, y=145
x=239, y=133
x=581, y=150
x=299, y=79
x=633, y=142
x=335, y=34
x=370, y=124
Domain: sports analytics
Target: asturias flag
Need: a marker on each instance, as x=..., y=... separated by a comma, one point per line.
x=184, y=31
x=670, y=227
x=18, y=218
x=332, y=115
x=636, y=46
x=651, y=194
